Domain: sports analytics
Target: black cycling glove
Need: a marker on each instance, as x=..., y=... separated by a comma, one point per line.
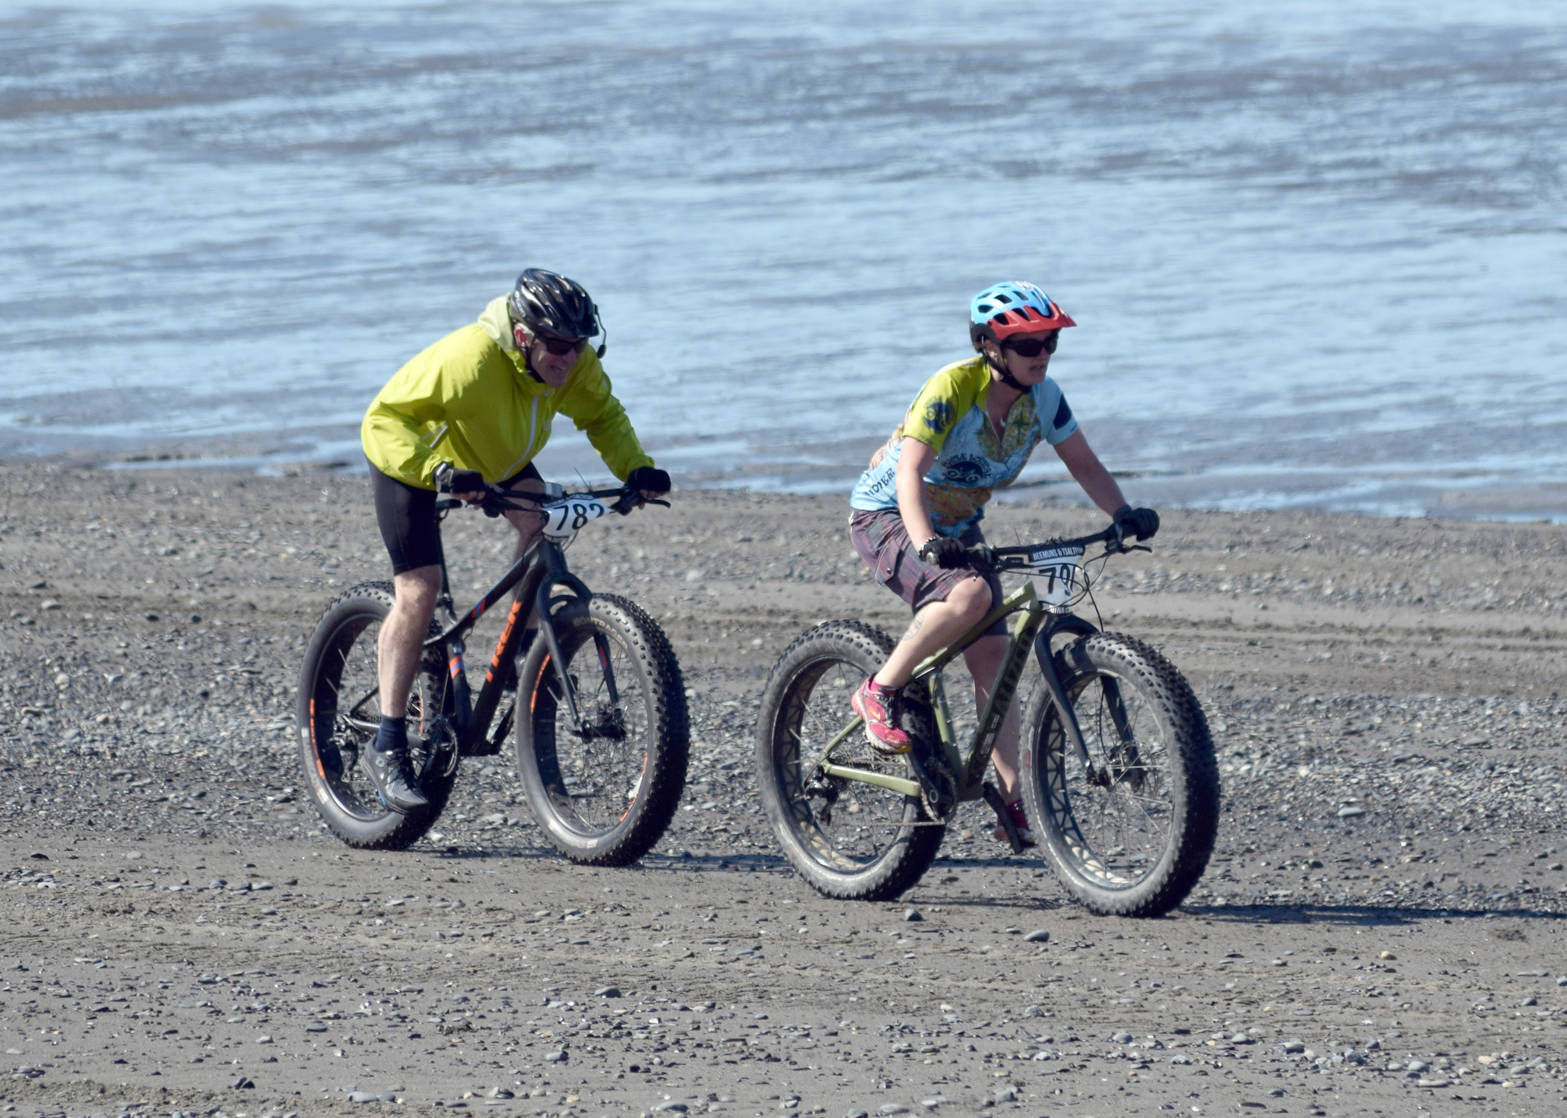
x=648, y=479
x=944, y=551
x=1140, y=523
x=449, y=479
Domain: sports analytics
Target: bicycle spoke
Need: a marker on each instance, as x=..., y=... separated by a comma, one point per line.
x=604, y=782
x=340, y=713
x=850, y=837
x=1130, y=817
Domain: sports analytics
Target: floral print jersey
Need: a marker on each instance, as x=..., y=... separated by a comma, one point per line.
x=972, y=460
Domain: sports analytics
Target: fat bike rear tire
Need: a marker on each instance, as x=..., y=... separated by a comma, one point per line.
x=338, y=710
x=849, y=839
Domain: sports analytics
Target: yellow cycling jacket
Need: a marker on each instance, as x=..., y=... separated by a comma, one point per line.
x=474, y=383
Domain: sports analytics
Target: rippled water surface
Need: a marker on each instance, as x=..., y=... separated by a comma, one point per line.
x=1316, y=253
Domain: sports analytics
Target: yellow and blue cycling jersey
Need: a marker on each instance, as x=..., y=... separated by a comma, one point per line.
x=972, y=459
x=474, y=384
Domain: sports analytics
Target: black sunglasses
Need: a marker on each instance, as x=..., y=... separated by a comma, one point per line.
x=559, y=346
x=1033, y=346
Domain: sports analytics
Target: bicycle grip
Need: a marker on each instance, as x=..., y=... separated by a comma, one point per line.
x=981, y=557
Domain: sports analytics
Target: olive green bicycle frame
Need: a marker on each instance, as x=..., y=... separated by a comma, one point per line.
x=970, y=775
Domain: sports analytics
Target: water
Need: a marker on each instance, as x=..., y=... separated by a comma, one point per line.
x=1317, y=251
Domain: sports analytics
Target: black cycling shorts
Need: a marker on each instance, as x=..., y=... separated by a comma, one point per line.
x=406, y=515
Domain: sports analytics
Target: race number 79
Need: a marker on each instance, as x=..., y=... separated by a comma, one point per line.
x=1055, y=574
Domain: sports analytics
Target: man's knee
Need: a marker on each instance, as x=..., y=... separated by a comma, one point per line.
x=414, y=591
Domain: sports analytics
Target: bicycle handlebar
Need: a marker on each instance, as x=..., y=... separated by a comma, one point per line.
x=497, y=500
x=1018, y=557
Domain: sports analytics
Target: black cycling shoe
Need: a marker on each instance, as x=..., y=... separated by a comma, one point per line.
x=394, y=779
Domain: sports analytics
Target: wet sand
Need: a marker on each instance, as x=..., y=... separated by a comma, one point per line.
x=1380, y=930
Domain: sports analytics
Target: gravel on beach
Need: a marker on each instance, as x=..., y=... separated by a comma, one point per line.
x=1381, y=929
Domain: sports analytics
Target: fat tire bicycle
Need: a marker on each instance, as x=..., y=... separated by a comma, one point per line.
x=1116, y=760
x=595, y=697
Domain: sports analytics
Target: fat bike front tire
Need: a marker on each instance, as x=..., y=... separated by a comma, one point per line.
x=604, y=785
x=849, y=838
x=338, y=711
x=1129, y=827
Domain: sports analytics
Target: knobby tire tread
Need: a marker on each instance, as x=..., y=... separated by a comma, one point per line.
x=361, y=826
x=669, y=736
x=905, y=859
x=1193, y=776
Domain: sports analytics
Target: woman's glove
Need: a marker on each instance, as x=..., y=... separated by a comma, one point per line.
x=1140, y=523
x=944, y=551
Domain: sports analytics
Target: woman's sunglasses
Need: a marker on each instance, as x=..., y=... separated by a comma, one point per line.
x=1029, y=346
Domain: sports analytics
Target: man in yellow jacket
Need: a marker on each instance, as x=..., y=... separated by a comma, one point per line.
x=477, y=406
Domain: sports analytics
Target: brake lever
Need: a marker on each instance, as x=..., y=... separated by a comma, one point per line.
x=493, y=503
x=497, y=501
x=983, y=555
x=630, y=500
x=1117, y=545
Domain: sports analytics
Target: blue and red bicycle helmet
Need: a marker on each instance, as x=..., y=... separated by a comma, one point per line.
x=1016, y=307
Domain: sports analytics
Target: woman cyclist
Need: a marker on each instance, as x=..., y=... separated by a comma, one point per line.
x=917, y=508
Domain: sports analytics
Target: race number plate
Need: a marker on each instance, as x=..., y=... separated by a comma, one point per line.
x=1055, y=576
x=565, y=518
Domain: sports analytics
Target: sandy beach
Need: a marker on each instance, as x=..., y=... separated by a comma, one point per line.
x=1381, y=929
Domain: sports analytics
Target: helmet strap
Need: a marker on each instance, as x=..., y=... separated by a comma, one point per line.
x=1008, y=379
x=1003, y=372
x=527, y=362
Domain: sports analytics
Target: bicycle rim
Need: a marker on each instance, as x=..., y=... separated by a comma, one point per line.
x=345, y=712
x=1129, y=821
x=1120, y=817
x=592, y=771
x=848, y=837
x=340, y=717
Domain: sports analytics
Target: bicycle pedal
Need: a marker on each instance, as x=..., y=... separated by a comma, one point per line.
x=439, y=750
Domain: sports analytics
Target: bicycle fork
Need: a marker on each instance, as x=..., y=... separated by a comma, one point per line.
x=609, y=724
x=1114, y=706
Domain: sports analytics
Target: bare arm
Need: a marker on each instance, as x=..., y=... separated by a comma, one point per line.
x=914, y=459
x=1086, y=469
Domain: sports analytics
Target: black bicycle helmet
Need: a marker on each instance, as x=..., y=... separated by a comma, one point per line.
x=547, y=303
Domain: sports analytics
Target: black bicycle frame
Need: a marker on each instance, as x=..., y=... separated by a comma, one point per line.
x=538, y=570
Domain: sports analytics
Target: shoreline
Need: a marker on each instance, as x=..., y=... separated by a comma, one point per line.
x=1477, y=498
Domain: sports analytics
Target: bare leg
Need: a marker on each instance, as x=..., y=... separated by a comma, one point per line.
x=984, y=658
x=399, y=649
x=933, y=626
x=401, y=643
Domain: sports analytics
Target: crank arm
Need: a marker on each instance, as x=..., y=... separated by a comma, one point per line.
x=1004, y=817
